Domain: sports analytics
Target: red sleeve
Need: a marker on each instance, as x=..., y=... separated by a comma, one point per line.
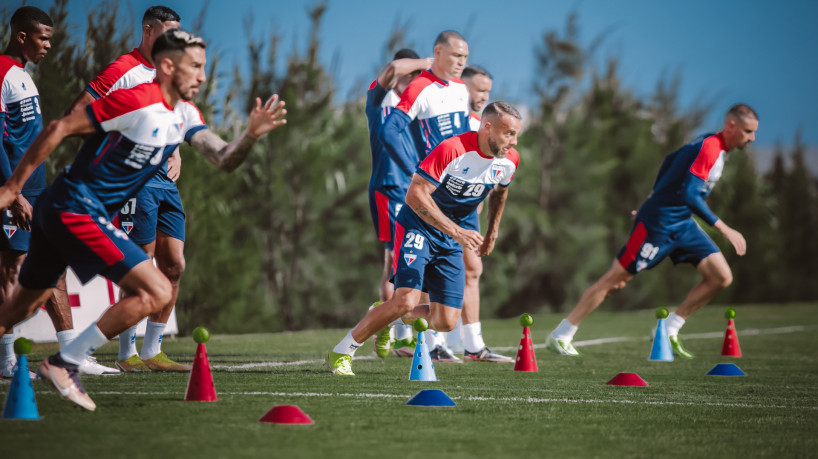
x=439, y=159
x=411, y=93
x=111, y=74
x=709, y=153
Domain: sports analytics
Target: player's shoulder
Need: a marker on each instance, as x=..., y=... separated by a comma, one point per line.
x=123, y=101
x=7, y=64
x=425, y=80
x=127, y=61
x=189, y=110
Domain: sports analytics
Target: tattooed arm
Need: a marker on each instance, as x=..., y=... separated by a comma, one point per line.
x=497, y=202
x=419, y=198
x=228, y=156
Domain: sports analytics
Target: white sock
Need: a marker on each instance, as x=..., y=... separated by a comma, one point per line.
x=396, y=323
x=66, y=336
x=403, y=331
x=127, y=343
x=153, y=339
x=434, y=338
x=565, y=330
x=348, y=345
x=7, y=350
x=473, y=337
x=674, y=324
x=83, y=345
x=454, y=338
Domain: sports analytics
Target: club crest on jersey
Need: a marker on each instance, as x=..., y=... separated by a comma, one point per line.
x=127, y=226
x=9, y=230
x=409, y=258
x=496, y=171
x=640, y=265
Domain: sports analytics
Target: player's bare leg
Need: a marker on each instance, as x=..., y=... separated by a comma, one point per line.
x=128, y=359
x=474, y=348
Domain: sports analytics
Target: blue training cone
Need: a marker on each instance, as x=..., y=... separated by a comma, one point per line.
x=431, y=397
x=726, y=369
x=20, y=403
x=661, y=352
x=422, y=369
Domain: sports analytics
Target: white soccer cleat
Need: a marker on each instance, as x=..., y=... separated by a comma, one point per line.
x=7, y=371
x=91, y=367
x=64, y=377
x=561, y=346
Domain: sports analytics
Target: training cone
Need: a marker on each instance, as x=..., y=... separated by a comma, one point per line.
x=431, y=397
x=627, y=379
x=726, y=369
x=286, y=414
x=731, y=347
x=661, y=352
x=20, y=403
x=526, y=361
x=200, y=386
x=422, y=369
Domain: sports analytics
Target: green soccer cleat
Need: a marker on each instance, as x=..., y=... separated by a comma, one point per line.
x=132, y=364
x=678, y=349
x=161, y=362
x=339, y=364
x=561, y=346
x=404, y=347
x=382, y=341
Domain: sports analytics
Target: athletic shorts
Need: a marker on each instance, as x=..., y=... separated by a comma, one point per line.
x=648, y=245
x=13, y=237
x=429, y=262
x=472, y=222
x=90, y=244
x=153, y=209
x=384, y=214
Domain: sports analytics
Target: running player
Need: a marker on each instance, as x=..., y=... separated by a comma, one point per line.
x=429, y=241
x=134, y=132
x=434, y=107
x=21, y=118
x=154, y=218
x=665, y=227
x=388, y=184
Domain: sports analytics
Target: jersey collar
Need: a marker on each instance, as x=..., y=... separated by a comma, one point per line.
x=13, y=61
x=436, y=78
x=141, y=58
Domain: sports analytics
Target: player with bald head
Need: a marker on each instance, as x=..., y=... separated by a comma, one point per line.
x=664, y=227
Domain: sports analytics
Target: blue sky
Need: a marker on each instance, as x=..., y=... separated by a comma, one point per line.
x=758, y=52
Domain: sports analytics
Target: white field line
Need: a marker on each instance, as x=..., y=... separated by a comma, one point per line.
x=480, y=399
x=590, y=342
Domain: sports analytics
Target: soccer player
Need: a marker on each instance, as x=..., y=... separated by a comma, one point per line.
x=154, y=218
x=429, y=239
x=388, y=184
x=468, y=333
x=21, y=118
x=665, y=227
x=434, y=107
x=134, y=132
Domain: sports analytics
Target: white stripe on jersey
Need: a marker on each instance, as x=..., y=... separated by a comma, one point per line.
x=471, y=167
x=154, y=125
x=134, y=77
x=17, y=86
x=435, y=100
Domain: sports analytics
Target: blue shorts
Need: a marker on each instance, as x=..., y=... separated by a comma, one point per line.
x=684, y=242
x=90, y=244
x=384, y=214
x=426, y=261
x=153, y=209
x=472, y=222
x=13, y=237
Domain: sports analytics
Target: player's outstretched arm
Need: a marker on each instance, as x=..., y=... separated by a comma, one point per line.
x=735, y=238
x=419, y=198
x=228, y=156
x=497, y=202
x=38, y=151
x=388, y=78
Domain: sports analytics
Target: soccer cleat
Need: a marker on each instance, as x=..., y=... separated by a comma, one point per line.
x=485, y=355
x=65, y=378
x=561, y=346
x=132, y=364
x=443, y=354
x=382, y=342
x=678, y=349
x=161, y=362
x=339, y=364
x=8, y=371
x=89, y=366
x=404, y=347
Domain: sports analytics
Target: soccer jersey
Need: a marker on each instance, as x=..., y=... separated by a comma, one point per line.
x=684, y=181
x=388, y=178
x=474, y=122
x=441, y=109
x=21, y=120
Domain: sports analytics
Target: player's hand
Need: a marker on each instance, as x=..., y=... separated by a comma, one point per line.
x=264, y=119
x=175, y=165
x=21, y=213
x=735, y=238
x=469, y=239
x=429, y=62
x=6, y=197
x=487, y=246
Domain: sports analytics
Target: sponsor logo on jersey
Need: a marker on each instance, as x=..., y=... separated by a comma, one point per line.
x=24, y=86
x=466, y=171
x=409, y=258
x=496, y=171
x=640, y=265
x=10, y=230
x=155, y=132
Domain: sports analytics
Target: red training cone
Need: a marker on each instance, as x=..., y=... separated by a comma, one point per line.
x=286, y=414
x=731, y=347
x=200, y=386
x=627, y=379
x=526, y=361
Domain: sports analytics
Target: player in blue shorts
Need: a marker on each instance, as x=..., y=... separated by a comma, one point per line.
x=134, y=132
x=664, y=227
x=388, y=184
x=21, y=118
x=429, y=239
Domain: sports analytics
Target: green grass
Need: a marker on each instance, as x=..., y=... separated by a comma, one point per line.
x=564, y=410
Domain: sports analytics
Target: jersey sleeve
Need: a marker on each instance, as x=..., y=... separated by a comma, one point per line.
x=434, y=166
x=194, y=122
x=390, y=136
x=514, y=158
x=106, y=79
x=707, y=157
x=375, y=94
x=106, y=113
x=694, y=191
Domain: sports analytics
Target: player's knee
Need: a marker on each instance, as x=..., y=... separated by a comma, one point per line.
x=446, y=324
x=723, y=279
x=174, y=269
x=404, y=305
x=473, y=273
x=158, y=296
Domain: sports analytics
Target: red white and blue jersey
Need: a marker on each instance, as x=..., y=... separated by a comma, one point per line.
x=474, y=122
x=464, y=176
x=685, y=179
x=21, y=120
x=136, y=133
x=388, y=177
x=441, y=110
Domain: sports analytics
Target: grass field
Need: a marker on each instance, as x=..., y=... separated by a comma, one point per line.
x=564, y=410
